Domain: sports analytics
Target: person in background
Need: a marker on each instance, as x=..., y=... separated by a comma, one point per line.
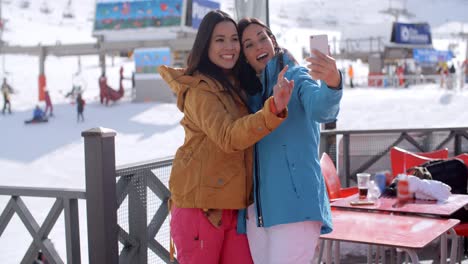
x=6, y=91
x=80, y=103
x=351, y=75
x=442, y=70
x=465, y=67
x=211, y=176
x=400, y=73
x=38, y=116
x=49, y=108
x=40, y=259
x=291, y=207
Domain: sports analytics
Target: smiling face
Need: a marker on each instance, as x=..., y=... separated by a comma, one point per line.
x=224, y=45
x=258, y=47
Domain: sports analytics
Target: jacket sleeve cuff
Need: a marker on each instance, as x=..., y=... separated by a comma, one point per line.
x=274, y=110
x=340, y=85
x=273, y=120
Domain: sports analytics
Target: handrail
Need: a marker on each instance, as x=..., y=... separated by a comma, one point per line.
x=144, y=223
x=66, y=201
x=43, y=192
x=391, y=130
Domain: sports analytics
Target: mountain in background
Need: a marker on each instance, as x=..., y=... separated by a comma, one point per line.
x=352, y=18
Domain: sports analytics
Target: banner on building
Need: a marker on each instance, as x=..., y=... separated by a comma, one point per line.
x=431, y=56
x=137, y=14
x=148, y=60
x=416, y=34
x=199, y=9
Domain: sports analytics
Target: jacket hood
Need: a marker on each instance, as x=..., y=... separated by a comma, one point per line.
x=180, y=83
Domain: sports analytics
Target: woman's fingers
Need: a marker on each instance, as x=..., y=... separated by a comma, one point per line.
x=323, y=67
x=282, y=72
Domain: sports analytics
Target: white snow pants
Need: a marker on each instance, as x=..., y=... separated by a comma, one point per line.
x=282, y=244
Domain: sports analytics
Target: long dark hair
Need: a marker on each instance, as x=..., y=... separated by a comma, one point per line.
x=247, y=75
x=198, y=59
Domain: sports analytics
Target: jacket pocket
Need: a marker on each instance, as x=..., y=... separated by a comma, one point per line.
x=222, y=167
x=291, y=170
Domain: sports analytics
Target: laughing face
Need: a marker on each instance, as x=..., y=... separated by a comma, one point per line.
x=258, y=47
x=224, y=45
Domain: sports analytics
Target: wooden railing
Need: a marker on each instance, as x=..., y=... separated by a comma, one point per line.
x=127, y=205
x=368, y=150
x=66, y=200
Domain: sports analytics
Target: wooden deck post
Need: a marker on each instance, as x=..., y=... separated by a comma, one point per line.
x=101, y=201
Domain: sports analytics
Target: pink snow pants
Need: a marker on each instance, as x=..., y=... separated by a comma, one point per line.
x=199, y=242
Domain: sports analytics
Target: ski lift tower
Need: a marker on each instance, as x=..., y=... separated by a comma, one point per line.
x=2, y=27
x=397, y=12
x=253, y=8
x=68, y=12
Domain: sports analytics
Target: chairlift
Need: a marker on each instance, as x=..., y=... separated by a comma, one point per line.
x=24, y=4
x=45, y=8
x=68, y=12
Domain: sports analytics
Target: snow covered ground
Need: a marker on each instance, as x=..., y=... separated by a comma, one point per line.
x=51, y=155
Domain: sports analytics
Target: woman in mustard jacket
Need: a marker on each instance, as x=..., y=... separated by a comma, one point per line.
x=211, y=176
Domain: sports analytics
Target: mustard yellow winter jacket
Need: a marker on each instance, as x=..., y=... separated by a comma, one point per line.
x=213, y=167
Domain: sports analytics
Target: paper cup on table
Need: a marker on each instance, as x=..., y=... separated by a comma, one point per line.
x=363, y=184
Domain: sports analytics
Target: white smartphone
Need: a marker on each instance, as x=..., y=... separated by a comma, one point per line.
x=320, y=43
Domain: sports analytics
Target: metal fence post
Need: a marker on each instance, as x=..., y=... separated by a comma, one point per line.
x=346, y=159
x=101, y=203
x=457, y=144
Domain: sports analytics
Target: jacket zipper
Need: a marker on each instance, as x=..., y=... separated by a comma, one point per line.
x=266, y=93
x=257, y=190
x=257, y=162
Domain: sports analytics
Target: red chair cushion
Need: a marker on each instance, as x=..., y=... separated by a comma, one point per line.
x=461, y=229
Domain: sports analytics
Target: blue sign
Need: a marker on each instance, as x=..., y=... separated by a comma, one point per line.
x=148, y=60
x=200, y=8
x=431, y=56
x=417, y=34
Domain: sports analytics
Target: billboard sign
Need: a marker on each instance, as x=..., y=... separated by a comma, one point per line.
x=149, y=59
x=417, y=34
x=137, y=14
x=200, y=8
x=431, y=56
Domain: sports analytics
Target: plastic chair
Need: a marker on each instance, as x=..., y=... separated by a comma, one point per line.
x=332, y=181
x=334, y=190
x=436, y=154
x=401, y=159
x=463, y=157
x=462, y=228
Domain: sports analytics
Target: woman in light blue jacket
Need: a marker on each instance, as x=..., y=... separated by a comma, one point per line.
x=291, y=207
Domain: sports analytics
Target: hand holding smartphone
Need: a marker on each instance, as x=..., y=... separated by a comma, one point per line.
x=320, y=43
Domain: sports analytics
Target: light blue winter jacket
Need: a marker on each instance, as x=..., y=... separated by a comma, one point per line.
x=288, y=182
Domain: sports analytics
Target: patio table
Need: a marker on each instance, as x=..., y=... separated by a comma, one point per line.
x=412, y=207
x=407, y=232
